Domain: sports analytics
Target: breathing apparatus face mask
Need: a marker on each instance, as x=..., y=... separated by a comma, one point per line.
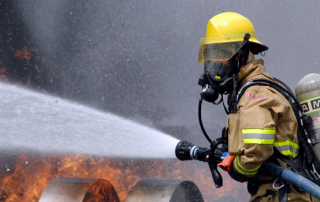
x=220, y=57
x=217, y=79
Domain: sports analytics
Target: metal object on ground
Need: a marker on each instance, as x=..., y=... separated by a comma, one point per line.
x=79, y=190
x=164, y=191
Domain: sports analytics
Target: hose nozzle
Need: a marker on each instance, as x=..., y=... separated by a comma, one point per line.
x=187, y=151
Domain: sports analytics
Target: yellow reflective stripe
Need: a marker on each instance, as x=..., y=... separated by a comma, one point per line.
x=258, y=141
x=286, y=142
x=258, y=135
x=240, y=169
x=289, y=153
x=259, y=130
x=287, y=148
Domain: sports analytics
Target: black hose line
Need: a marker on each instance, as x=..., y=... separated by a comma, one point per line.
x=200, y=122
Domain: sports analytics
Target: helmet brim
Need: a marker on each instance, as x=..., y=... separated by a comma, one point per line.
x=255, y=47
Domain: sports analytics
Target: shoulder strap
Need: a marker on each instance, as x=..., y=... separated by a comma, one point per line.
x=286, y=92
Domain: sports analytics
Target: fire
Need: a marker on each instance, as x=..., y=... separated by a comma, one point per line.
x=3, y=73
x=24, y=53
x=3, y=76
x=29, y=175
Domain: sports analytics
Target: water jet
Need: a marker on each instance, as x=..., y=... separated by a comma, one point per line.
x=33, y=120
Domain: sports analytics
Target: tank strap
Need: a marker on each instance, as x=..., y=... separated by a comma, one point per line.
x=265, y=82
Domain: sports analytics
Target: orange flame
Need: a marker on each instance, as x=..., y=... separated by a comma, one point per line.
x=30, y=175
x=3, y=73
x=24, y=53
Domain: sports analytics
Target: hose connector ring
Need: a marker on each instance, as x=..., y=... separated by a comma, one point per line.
x=274, y=184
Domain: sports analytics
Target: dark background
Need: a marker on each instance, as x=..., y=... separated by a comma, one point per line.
x=138, y=59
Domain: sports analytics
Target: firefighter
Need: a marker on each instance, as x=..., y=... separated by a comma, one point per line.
x=262, y=123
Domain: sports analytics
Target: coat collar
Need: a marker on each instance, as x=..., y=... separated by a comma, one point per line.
x=253, y=70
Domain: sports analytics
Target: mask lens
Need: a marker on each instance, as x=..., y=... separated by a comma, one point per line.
x=218, y=53
x=219, y=70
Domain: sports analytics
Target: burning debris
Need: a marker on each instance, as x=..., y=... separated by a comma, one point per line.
x=24, y=177
x=3, y=73
x=24, y=53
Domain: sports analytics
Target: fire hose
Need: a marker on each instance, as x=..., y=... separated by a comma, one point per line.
x=291, y=177
x=187, y=151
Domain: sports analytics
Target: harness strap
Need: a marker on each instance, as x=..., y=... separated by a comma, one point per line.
x=283, y=193
x=254, y=184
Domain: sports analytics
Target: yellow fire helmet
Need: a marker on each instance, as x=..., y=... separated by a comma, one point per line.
x=225, y=37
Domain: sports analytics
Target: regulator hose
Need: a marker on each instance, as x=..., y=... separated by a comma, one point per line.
x=200, y=122
x=291, y=177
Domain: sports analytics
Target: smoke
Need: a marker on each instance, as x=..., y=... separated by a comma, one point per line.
x=39, y=122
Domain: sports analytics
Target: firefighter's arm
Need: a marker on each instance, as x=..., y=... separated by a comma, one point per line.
x=254, y=132
x=248, y=163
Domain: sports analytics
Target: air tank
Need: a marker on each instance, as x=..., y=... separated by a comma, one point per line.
x=308, y=95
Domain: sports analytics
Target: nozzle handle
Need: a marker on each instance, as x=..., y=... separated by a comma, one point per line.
x=217, y=178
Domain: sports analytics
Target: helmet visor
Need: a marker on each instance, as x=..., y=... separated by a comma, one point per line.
x=218, y=49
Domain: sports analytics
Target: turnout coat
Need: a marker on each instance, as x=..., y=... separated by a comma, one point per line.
x=264, y=123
